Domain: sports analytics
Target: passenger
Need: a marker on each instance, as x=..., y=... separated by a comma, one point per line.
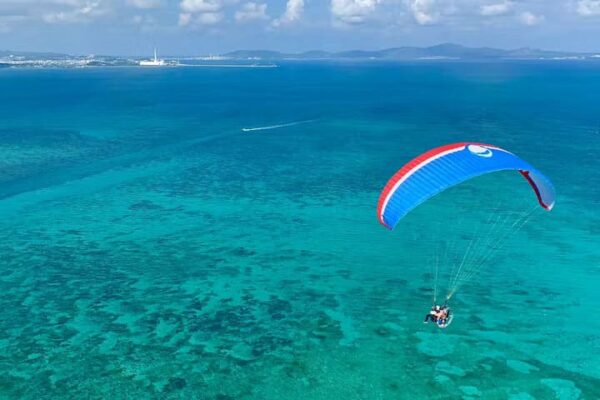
x=433, y=314
x=443, y=316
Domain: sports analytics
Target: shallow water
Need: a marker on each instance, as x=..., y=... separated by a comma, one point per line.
x=152, y=249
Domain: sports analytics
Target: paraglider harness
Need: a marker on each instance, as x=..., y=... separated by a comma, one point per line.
x=440, y=322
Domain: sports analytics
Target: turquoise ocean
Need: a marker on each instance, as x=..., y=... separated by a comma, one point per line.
x=155, y=244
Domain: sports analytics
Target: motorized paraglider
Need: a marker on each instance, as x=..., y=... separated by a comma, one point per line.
x=447, y=166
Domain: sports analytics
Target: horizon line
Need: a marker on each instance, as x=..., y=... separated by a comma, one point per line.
x=299, y=52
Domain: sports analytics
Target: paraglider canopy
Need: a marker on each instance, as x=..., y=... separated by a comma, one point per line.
x=469, y=233
x=443, y=167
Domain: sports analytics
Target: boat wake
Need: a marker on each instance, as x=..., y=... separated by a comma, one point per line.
x=268, y=127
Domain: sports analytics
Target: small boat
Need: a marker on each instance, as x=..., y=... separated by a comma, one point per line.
x=153, y=63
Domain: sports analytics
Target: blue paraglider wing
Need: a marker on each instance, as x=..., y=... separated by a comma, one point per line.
x=446, y=166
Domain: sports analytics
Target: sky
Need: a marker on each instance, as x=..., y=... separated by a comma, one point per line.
x=200, y=27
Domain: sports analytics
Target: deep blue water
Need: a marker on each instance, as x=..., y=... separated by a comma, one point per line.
x=152, y=249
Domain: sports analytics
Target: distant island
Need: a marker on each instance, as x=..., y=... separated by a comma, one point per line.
x=442, y=52
x=447, y=51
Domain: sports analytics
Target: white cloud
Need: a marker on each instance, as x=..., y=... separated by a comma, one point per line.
x=588, y=8
x=184, y=19
x=144, y=4
x=490, y=10
x=530, y=19
x=209, y=18
x=201, y=12
x=200, y=6
x=425, y=12
x=352, y=11
x=13, y=12
x=80, y=11
x=251, y=11
x=293, y=12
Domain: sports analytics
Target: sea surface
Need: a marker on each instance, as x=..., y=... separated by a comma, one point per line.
x=211, y=233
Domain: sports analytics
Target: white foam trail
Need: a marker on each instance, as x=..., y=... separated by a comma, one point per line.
x=265, y=128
